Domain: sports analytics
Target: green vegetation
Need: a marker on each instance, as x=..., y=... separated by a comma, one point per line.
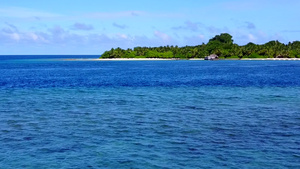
x=221, y=45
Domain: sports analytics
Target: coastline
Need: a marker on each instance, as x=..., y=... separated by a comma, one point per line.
x=162, y=59
x=121, y=59
x=270, y=59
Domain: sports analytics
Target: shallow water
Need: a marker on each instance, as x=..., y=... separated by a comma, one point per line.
x=149, y=114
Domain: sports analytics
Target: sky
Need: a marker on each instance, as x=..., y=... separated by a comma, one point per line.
x=78, y=27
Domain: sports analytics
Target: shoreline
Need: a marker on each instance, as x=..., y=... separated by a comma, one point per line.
x=120, y=59
x=162, y=59
x=270, y=59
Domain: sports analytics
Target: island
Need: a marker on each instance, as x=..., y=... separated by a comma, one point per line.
x=219, y=47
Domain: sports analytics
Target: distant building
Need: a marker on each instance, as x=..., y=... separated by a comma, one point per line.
x=211, y=57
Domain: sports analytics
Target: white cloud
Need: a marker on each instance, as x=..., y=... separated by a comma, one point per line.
x=15, y=36
x=201, y=36
x=123, y=36
x=22, y=37
x=251, y=38
x=36, y=37
x=162, y=36
x=60, y=38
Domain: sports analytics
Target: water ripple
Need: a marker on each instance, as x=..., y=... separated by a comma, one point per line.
x=62, y=117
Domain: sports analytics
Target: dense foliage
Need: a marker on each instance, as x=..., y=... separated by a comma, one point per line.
x=221, y=45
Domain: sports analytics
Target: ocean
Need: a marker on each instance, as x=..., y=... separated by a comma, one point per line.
x=56, y=113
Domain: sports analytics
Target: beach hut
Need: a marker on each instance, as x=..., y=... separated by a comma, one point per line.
x=211, y=57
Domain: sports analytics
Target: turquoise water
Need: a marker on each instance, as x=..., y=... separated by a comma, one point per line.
x=149, y=114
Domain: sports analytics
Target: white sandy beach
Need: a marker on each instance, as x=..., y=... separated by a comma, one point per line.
x=271, y=59
x=119, y=59
x=159, y=59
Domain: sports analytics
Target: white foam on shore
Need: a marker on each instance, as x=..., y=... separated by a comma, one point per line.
x=271, y=59
x=157, y=59
x=119, y=59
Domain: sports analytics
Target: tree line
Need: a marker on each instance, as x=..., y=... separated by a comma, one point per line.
x=221, y=45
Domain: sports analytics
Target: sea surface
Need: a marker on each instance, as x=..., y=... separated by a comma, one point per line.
x=148, y=114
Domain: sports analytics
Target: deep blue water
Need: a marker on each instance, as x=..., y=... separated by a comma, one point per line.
x=148, y=114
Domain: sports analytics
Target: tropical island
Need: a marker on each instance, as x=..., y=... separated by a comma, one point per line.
x=221, y=47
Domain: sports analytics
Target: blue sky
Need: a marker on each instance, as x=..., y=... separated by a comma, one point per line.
x=93, y=26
